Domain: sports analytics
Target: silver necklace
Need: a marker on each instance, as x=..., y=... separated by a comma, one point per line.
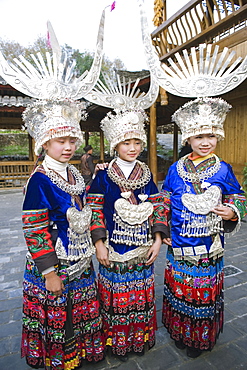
x=197, y=177
x=62, y=184
x=130, y=184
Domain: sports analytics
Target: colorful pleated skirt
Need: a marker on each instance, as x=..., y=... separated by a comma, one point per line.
x=128, y=309
x=60, y=332
x=193, y=304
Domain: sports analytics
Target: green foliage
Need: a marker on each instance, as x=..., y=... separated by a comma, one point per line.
x=14, y=150
x=245, y=178
x=94, y=140
x=84, y=62
x=163, y=152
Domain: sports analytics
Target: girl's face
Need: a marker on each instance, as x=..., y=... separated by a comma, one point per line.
x=61, y=148
x=129, y=150
x=203, y=144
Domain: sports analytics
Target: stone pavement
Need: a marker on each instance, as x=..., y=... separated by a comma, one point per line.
x=229, y=353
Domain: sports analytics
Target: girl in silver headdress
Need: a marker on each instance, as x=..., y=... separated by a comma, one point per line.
x=61, y=324
x=203, y=200
x=127, y=225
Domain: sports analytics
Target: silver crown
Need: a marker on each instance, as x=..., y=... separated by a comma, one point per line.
x=202, y=116
x=53, y=82
x=202, y=75
x=128, y=102
x=48, y=119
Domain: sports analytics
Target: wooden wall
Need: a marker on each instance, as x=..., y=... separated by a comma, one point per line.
x=233, y=149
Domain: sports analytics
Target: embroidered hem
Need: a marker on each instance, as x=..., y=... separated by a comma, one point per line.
x=137, y=254
x=193, y=254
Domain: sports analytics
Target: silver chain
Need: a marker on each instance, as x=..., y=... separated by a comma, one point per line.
x=130, y=184
x=76, y=189
x=197, y=177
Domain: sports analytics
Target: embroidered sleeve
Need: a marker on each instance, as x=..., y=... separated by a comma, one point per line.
x=237, y=202
x=98, y=229
x=38, y=239
x=159, y=218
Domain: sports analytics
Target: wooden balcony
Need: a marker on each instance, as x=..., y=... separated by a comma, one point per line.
x=208, y=21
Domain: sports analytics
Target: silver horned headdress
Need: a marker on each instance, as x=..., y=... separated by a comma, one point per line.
x=201, y=74
x=54, y=84
x=127, y=120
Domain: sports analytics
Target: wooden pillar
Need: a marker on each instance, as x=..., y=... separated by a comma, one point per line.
x=86, y=138
x=175, y=143
x=153, y=143
x=102, y=147
x=30, y=148
x=31, y=155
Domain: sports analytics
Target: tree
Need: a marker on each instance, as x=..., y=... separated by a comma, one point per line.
x=84, y=60
x=11, y=49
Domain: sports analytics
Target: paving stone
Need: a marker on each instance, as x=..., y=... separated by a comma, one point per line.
x=238, y=307
x=240, y=324
x=9, y=284
x=161, y=358
x=5, y=316
x=15, y=344
x=230, y=334
x=10, y=304
x=228, y=315
x=15, y=293
x=237, y=292
x=2, y=296
x=162, y=337
x=4, y=259
x=17, y=314
x=12, y=264
x=229, y=357
x=10, y=329
x=13, y=362
x=159, y=291
x=231, y=281
x=241, y=343
x=4, y=347
x=201, y=363
x=15, y=270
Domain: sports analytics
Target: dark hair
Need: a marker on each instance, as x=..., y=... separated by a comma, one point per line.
x=87, y=148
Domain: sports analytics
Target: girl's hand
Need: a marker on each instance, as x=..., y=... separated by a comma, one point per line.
x=167, y=241
x=154, y=250
x=102, y=253
x=225, y=212
x=53, y=283
x=100, y=166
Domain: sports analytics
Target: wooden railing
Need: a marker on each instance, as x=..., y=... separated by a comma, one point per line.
x=15, y=174
x=198, y=22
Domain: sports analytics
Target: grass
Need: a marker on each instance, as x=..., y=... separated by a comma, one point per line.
x=14, y=150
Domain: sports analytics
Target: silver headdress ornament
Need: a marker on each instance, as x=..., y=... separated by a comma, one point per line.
x=202, y=75
x=127, y=120
x=55, y=85
x=202, y=116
